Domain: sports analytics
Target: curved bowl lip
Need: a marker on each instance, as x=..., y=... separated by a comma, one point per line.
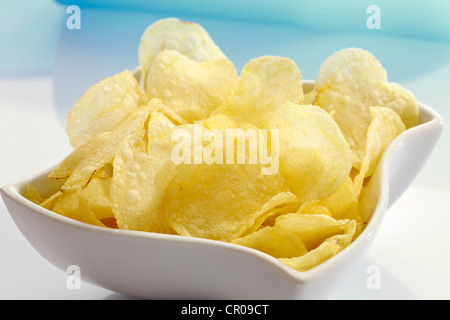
x=435, y=122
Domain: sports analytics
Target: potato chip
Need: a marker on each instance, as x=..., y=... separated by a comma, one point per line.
x=141, y=175
x=96, y=194
x=103, y=107
x=343, y=203
x=133, y=189
x=349, y=82
x=71, y=205
x=266, y=83
x=158, y=125
x=384, y=127
x=170, y=114
x=313, y=229
x=188, y=38
x=31, y=193
x=50, y=201
x=284, y=202
x=79, y=166
x=314, y=207
x=369, y=196
x=190, y=88
x=219, y=121
x=218, y=201
x=315, y=158
x=275, y=241
x=329, y=248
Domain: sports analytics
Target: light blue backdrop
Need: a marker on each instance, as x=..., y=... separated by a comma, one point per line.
x=413, y=18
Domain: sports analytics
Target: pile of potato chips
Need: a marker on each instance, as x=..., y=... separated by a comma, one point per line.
x=121, y=173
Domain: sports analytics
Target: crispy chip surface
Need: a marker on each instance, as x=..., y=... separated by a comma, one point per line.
x=352, y=80
x=31, y=193
x=275, y=241
x=188, y=38
x=315, y=158
x=385, y=126
x=135, y=192
x=343, y=203
x=192, y=89
x=313, y=229
x=79, y=166
x=218, y=201
x=142, y=172
x=265, y=84
x=96, y=194
x=327, y=249
x=103, y=107
x=71, y=205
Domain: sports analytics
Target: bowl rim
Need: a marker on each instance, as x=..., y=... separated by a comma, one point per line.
x=433, y=122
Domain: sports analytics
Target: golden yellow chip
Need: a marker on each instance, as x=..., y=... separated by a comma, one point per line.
x=190, y=88
x=159, y=124
x=71, y=205
x=275, y=241
x=384, y=127
x=266, y=83
x=343, y=203
x=218, y=201
x=352, y=80
x=314, y=207
x=78, y=167
x=96, y=194
x=142, y=172
x=313, y=229
x=50, y=201
x=188, y=38
x=134, y=192
x=168, y=113
x=103, y=107
x=329, y=248
x=284, y=202
x=368, y=198
x=315, y=158
x=31, y=193
x=219, y=121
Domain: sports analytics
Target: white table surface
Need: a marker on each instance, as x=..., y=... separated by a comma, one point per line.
x=411, y=250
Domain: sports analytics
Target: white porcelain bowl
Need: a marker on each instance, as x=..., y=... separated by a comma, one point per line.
x=158, y=266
